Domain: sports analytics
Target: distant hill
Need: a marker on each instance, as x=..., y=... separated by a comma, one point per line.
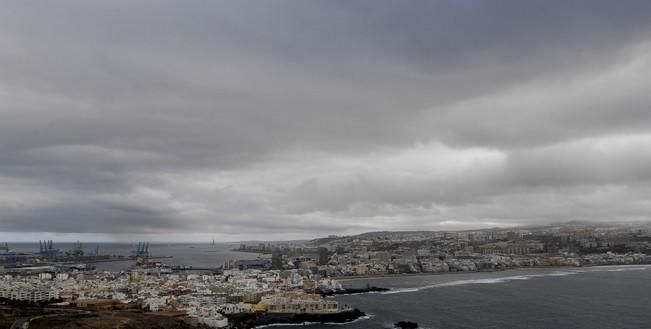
x=426, y=234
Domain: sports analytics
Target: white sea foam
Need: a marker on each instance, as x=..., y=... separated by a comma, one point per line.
x=563, y=273
x=627, y=269
x=355, y=294
x=616, y=268
x=398, y=291
x=480, y=281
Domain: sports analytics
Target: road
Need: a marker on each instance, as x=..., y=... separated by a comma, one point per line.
x=23, y=323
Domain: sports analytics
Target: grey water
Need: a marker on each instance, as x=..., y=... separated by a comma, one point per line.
x=576, y=298
x=188, y=254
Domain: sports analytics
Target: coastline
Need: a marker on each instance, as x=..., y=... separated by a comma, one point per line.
x=350, y=291
x=361, y=318
x=260, y=320
x=419, y=274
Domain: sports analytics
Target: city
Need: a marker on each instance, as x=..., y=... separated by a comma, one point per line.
x=288, y=282
x=329, y=164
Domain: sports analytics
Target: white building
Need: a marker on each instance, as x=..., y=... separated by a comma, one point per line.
x=27, y=294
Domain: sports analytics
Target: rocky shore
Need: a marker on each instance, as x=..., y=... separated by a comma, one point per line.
x=350, y=291
x=252, y=320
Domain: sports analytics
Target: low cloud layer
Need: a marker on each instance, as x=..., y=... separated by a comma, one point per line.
x=290, y=119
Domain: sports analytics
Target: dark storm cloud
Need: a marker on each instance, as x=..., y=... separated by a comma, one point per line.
x=297, y=116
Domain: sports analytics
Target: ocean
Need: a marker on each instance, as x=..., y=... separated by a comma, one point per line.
x=614, y=297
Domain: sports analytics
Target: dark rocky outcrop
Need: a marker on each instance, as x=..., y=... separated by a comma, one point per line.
x=252, y=320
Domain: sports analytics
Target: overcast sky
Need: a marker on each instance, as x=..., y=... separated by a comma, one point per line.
x=190, y=120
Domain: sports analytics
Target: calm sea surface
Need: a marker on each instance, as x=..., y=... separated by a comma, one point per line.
x=590, y=298
x=615, y=297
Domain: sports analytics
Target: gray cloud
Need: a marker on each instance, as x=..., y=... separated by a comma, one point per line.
x=301, y=118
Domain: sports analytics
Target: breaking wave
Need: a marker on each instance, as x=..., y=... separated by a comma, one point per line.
x=480, y=281
x=621, y=269
x=512, y=278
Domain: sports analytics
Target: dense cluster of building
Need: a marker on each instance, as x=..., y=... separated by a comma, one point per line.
x=293, y=279
x=206, y=298
x=380, y=253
